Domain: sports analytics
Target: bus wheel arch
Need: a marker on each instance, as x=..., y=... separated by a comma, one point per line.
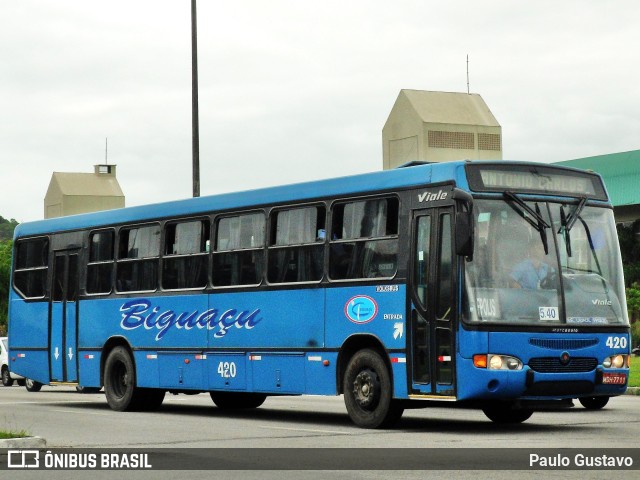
x=350, y=347
x=112, y=343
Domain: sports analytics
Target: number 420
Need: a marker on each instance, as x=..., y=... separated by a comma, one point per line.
x=616, y=342
x=227, y=369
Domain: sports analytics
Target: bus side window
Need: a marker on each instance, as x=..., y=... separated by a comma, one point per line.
x=137, y=264
x=296, y=251
x=185, y=260
x=238, y=255
x=422, y=260
x=445, y=270
x=364, y=240
x=100, y=265
x=31, y=266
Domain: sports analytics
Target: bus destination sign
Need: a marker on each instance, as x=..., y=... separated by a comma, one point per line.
x=535, y=179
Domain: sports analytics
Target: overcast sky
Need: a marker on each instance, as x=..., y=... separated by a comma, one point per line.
x=295, y=90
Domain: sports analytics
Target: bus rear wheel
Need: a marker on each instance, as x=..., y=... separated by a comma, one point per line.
x=237, y=400
x=32, y=385
x=368, y=391
x=506, y=414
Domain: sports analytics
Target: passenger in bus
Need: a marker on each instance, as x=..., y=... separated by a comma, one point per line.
x=532, y=272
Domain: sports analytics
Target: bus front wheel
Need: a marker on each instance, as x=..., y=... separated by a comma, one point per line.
x=593, y=403
x=368, y=391
x=120, y=380
x=120, y=385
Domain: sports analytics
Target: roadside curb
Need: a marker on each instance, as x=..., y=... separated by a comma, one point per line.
x=26, y=442
x=633, y=390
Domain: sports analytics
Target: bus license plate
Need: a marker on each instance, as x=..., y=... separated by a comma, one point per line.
x=614, y=379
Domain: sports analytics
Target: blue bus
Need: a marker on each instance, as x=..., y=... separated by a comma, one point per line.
x=491, y=285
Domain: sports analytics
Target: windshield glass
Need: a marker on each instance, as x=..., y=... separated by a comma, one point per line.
x=527, y=253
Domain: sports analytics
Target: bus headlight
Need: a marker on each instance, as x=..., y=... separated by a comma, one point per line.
x=617, y=361
x=504, y=362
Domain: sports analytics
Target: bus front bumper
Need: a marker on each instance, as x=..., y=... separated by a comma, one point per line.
x=529, y=384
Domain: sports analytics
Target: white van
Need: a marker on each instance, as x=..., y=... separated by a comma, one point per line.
x=7, y=376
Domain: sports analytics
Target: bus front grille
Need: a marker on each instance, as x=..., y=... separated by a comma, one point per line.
x=553, y=365
x=563, y=343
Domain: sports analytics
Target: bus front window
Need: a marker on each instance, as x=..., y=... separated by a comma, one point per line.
x=591, y=265
x=519, y=271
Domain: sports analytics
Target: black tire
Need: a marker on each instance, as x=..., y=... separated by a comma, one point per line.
x=120, y=386
x=237, y=400
x=368, y=391
x=80, y=389
x=6, y=378
x=22, y=383
x=505, y=414
x=120, y=380
x=594, y=403
x=149, y=399
x=32, y=385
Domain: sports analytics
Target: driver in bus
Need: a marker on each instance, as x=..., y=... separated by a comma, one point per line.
x=532, y=272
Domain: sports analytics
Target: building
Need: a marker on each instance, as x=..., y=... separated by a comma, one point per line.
x=621, y=175
x=439, y=127
x=72, y=193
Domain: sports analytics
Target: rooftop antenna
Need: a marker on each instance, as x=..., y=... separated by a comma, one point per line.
x=468, y=74
x=106, y=150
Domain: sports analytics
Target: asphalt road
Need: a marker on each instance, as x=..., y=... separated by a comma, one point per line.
x=69, y=419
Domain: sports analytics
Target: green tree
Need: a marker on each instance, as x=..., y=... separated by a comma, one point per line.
x=630, y=251
x=5, y=276
x=6, y=228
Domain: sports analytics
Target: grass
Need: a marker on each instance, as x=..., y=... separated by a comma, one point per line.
x=13, y=434
x=634, y=372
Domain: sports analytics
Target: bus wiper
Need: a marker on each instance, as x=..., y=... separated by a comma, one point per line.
x=566, y=233
x=592, y=246
x=568, y=222
x=539, y=224
x=573, y=216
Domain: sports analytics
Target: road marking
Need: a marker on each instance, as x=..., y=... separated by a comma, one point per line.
x=75, y=412
x=305, y=430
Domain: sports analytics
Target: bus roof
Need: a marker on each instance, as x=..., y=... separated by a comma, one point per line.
x=363, y=183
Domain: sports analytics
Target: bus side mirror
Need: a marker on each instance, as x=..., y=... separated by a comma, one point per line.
x=464, y=223
x=464, y=234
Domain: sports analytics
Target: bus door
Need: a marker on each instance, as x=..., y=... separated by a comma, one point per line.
x=63, y=322
x=433, y=303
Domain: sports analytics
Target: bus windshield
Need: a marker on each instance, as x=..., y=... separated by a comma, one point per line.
x=544, y=263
